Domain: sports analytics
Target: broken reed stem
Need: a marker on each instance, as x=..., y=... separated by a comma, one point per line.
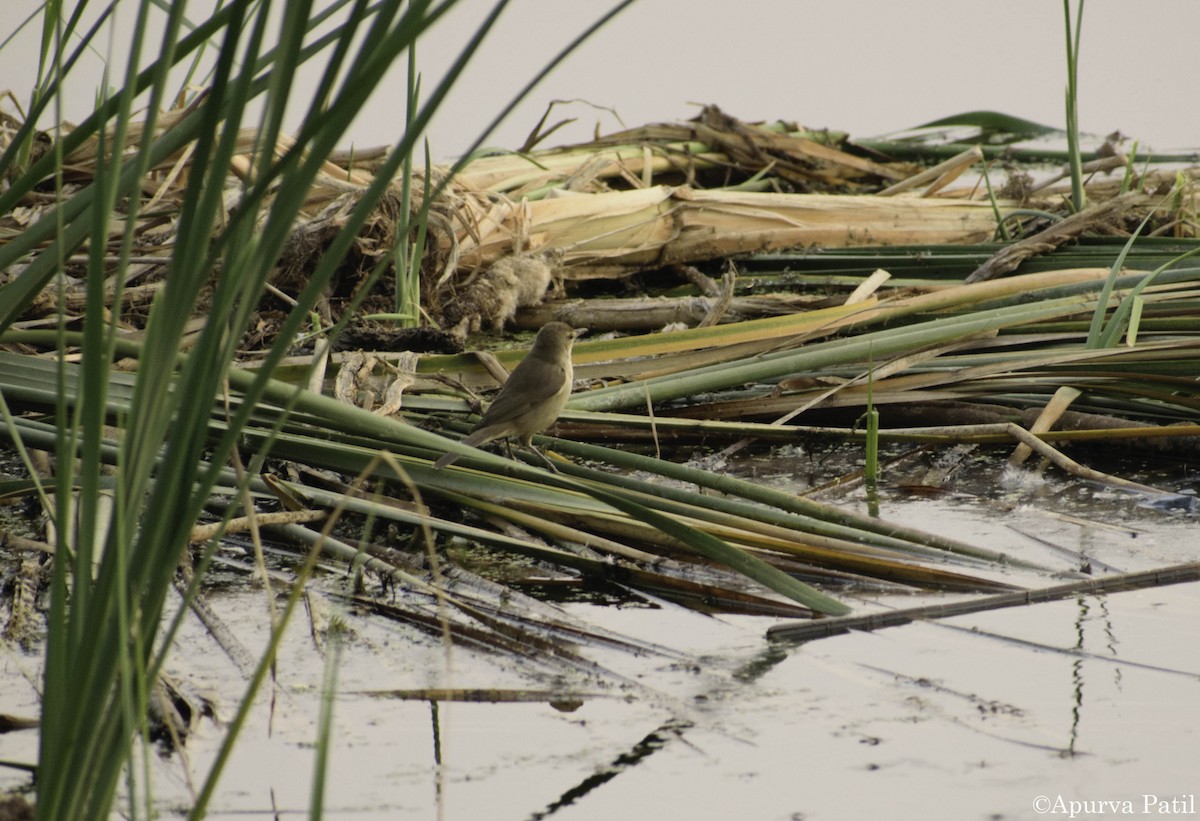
x=14, y=541
x=823, y=628
x=977, y=434
x=1071, y=466
x=202, y=533
x=941, y=174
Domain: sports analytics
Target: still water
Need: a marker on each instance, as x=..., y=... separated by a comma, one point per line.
x=1081, y=708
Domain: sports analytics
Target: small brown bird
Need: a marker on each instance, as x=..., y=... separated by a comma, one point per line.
x=533, y=396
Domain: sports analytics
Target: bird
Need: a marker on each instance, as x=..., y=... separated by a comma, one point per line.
x=532, y=397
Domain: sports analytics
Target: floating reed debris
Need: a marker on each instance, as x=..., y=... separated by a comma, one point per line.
x=823, y=628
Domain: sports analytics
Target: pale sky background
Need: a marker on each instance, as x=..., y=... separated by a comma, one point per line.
x=865, y=67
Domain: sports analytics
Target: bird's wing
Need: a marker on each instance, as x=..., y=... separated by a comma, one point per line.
x=511, y=404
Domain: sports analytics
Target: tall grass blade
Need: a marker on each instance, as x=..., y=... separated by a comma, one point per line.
x=1078, y=197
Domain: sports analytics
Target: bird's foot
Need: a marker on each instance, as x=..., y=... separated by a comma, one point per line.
x=545, y=460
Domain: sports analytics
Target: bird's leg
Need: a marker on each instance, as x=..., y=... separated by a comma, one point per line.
x=543, y=457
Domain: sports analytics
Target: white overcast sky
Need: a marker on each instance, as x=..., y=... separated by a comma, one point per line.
x=866, y=67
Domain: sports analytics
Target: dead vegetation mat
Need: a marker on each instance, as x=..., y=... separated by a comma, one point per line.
x=518, y=238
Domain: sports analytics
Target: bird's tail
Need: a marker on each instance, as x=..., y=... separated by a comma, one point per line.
x=475, y=439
